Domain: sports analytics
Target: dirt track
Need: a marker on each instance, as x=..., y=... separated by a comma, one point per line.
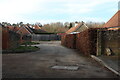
x=38, y=64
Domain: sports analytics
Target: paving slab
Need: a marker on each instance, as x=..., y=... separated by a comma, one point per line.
x=74, y=68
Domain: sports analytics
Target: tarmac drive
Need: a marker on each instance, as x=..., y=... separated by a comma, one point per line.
x=38, y=64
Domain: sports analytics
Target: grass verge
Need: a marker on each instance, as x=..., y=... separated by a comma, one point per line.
x=22, y=49
x=30, y=43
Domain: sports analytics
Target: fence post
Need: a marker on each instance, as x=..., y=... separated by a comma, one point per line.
x=99, y=49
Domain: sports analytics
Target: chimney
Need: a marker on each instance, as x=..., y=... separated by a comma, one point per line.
x=119, y=5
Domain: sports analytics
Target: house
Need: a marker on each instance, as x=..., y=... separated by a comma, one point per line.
x=78, y=28
x=114, y=22
x=110, y=35
x=15, y=29
x=23, y=30
x=36, y=27
x=10, y=27
x=25, y=33
x=29, y=29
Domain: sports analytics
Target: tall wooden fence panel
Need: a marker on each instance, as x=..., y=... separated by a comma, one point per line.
x=45, y=37
x=108, y=39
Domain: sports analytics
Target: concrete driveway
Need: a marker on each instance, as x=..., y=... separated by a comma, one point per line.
x=38, y=64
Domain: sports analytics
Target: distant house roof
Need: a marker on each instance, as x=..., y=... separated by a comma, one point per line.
x=16, y=29
x=23, y=30
x=36, y=27
x=114, y=21
x=37, y=31
x=78, y=28
x=10, y=27
x=29, y=29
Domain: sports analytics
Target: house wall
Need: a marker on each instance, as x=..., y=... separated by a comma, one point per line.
x=82, y=28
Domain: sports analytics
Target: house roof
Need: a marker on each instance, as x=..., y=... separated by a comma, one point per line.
x=23, y=30
x=73, y=28
x=114, y=21
x=16, y=29
x=76, y=28
x=39, y=31
x=10, y=27
x=29, y=29
x=113, y=28
x=36, y=27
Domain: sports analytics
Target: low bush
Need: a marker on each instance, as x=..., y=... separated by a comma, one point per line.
x=30, y=43
x=22, y=49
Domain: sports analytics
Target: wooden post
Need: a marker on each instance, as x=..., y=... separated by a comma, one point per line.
x=99, y=35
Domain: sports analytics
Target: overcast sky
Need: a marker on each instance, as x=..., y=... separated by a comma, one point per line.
x=46, y=11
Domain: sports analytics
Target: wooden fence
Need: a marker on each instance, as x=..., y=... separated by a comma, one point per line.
x=45, y=37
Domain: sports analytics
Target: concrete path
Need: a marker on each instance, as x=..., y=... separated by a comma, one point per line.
x=38, y=64
x=112, y=61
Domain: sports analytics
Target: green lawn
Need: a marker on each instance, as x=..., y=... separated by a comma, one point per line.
x=22, y=49
x=26, y=49
x=30, y=43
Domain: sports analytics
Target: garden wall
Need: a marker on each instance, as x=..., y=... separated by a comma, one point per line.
x=108, y=39
x=94, y=41
x=10, y=39
x=84, y=41
x=69, y=40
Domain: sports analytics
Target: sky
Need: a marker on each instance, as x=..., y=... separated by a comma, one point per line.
x=47, y=11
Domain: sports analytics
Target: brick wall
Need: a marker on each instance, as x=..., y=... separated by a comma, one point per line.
x=10, y=39
x=5, y=42
x=93, y=41
x=85, y=41
x=69, y=40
